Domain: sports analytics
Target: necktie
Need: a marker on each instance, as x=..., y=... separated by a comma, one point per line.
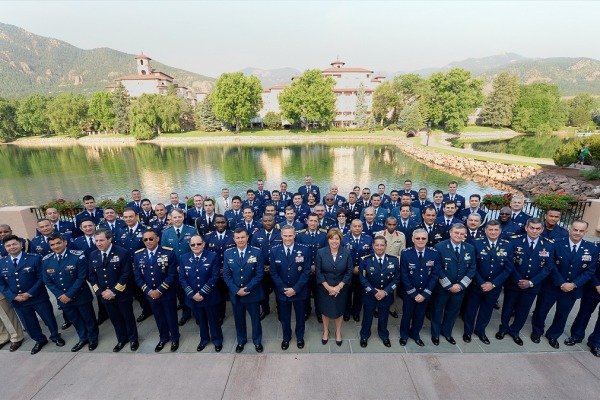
x=404, y=224
x=448, y=223
x=456, y=251
x=221, y=237
x=112, y=228
x=104, y=255
x=423, y=203
x=15, y=262
x=92, y=215
x=151, y=257
x=209, y=220
x=269, y=237
x=55, y=227
x=197, y=259
x=248, y=227
x=493, y=246
x=241, y=255
x=91, y=242
x=420, y=257
x=226, y=203
x=429, y=229
x=312, y=235
x=380, y=262
x=514, y=216
x=289, y=252
x=130, y=231
x=574, y=249
x=178, y=233
x=531, y=245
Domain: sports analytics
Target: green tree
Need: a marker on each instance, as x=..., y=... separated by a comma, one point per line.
x=453, y=96
x=580, y=109
x=102, y=111
x=169, y=111
x=236, y=98
x=8, y=118
x=206, y=120
x=66, y=112
x=360, y=115
x=309, y=99
x=144, y=116
x=121, y=104
x=411, y=117
x=31, y=115
x=498, y=107
x=272, y=120
x=538, y=108
x=385, y=101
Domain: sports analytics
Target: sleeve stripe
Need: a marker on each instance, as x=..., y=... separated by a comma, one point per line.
x=427, y=291
x=411, y=291
x=445, y=282
x=466, y=281
x=120, y=287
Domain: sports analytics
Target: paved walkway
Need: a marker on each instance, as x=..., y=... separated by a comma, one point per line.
x=501, y=370
x=439, y=141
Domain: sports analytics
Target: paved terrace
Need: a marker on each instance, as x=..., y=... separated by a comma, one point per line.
x=502, y=370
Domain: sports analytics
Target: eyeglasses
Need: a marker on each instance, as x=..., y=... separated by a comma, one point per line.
x=420, y=238
x=366, y=192
x=196, y=244
x=505, y=213
x=148, y=239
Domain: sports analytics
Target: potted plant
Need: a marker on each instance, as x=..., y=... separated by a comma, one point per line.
x=496, y=201
x=560, y=200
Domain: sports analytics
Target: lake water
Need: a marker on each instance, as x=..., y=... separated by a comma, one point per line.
x=33, y=176
x=528, y=145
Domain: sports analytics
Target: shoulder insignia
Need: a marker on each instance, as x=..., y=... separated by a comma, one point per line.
x=167, y=248
x=301, y=231
x=140, y=250
x=515, y=236
x=76, y=252
x=367, y=256
x=323, y=230
x=47, y=256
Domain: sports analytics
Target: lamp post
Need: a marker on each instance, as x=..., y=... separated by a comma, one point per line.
x=428, y=132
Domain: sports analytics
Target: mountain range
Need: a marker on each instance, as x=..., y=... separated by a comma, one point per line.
x=31, y=63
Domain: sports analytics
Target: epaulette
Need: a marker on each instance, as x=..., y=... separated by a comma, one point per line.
x=323, y=230
x=391, y=256
x=515, y=236
x=367, y=256
x=301, y=231
x=47, y=256
x=167, y=248
x=140, y=250
x=76, y=252
x=480, y=239
x=256, y=248
x=503, y=240
x=279, y=245
x=547, y=239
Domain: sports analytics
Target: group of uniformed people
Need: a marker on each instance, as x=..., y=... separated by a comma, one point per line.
x=443, y=257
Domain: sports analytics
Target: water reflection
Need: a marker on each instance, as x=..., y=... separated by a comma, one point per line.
x=30, y=176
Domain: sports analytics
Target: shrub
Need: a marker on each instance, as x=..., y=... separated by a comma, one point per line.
x=566, y=154
x=560, y=200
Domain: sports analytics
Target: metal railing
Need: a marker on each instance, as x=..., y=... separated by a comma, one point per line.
x=573, y=213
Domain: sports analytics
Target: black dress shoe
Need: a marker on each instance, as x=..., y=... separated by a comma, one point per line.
x=160, y=346
x=202, y=347
x=356, y=318
x=403, y=342
x=134, y=345
x=66, y=325
x=284, y=345
x=595, y=351
x=259, y=348
x=535, y=338
x=500, y=335
x=339, y=343
x=375, y=314
x=142, y=317
x=554, y=343
x=60, y=342
x=363, y=342
x=571, y=341
x=450, y=339
x=183, y=320
x=38, y=346
x=92, y=346
x=387, y=343
x=324, y=341
x=79, y=346
x=518, y=340
x=264, y=314
x=320, y=318
x=484, y=339
x=394, y=314
x=435, y=340
x=301, y=343
x=466, y=338
x=14, y=346
x=346, y=318
x=174, y=346
x=218, y=348
x=239, y=348
x=119, y=347
x=419, y=342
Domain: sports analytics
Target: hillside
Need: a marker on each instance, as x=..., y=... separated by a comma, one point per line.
x=35, y=64
x=271, y=77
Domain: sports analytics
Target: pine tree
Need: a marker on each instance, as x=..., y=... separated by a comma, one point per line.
x=371, y=123
x=411, y=117
x=121, y=103
x=205, y=117
x=360, y=115
x=498, y=107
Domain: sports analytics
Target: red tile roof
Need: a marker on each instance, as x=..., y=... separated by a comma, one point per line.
x=140, y=56
x=135, y=77
x=343, y=90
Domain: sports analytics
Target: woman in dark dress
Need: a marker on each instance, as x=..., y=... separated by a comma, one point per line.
x=334, y=272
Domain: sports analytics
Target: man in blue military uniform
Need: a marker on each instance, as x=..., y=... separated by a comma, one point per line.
x=174, y=203
x=534, y=261
x=449, y=219
x=130, y=237
x=421, y=202
x=147, y=213
x=89, y=211
x=474, y=203
x=309, y=188
x=576, y=261
x=494, y=263
x=302, y=210
x=6, y=230
x=325, y=222
x=243, y=270
x=60, y=226
x=551, y=228
x=65, y=274
x=109, y=221
x=136, y=200
x=290, y=271
x=369, y=224
x=205, y=224
x=455, y=197
x=314, y=238
x=474, y=229
x=365, y=199
x=155, y=270
x=159, y=222
x=195, y=212
x=589, y=304
x=354, y=209
x=385, y=198
x=279, y=205
x=109, y=274
x=290, y=219
x=177, y=237
x=519, y=217
x=456, y=274
x=380, y=213
x=264, y=239
x=338, y=200
x=255, y=204
x=379, y=276
x=331, y=207
x=234, y=215
x=509, y=228
x=409, y=190
x=406, y=224
x=248, y=222
x=21, y=283
x=261, y=194
x=360, y=244
x=419, y=270
x=415, y=212
x=199, y=277
x=436, y=232
x=39, y=244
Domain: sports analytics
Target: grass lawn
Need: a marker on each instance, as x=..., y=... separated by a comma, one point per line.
x=293, y=133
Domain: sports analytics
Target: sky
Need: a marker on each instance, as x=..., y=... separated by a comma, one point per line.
x=212, y=37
